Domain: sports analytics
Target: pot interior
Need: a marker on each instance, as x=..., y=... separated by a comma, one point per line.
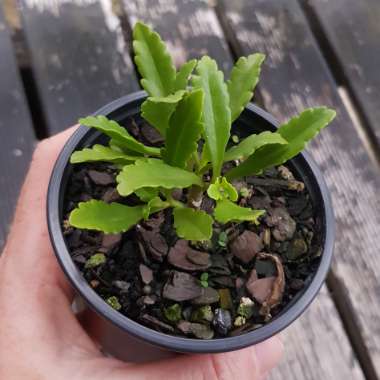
x=252, y=120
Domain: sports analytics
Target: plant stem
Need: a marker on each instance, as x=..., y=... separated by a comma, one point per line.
x=195, y=158
x=195, y=196
x=172, y=202
x=204, y=169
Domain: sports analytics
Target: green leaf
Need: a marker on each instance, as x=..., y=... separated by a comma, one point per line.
x=118, y=134
x=222, y=189
x=154, y=173
x=250, y=144
x=154, y=205
x=227, y=211
x=101, y=153
x=244, y=77
x=153, y=61
x=183, y=74
x=107, y=217
x=192, y=224
x=216, y=111
x=204, y=280
x=184, y=130
x=223, y=239
x=157, y=111
x=147, y=193
x=297, y=132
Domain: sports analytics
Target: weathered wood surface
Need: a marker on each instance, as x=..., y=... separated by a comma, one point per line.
x=190, y=28
x=322, y=316
x=353, y=30
x=16, y=131
x=296, y=76
x=306, y=360
x=79, y=57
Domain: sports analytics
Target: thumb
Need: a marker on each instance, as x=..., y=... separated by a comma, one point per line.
x=250, y=363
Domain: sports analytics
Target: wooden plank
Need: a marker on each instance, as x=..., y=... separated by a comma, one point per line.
x=322, y=312
x=306, y=360
x=296, y=76
x=353, y=31
x=79, y=57
x=16, y=131
x=190, y=28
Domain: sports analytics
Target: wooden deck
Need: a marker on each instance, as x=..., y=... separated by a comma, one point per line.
x=64, y=59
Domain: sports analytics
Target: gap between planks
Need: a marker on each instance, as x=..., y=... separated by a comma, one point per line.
x=347, y=315
x=24, y=67
x=337, y=288
x=355, y=111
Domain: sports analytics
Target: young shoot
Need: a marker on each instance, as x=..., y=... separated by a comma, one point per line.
x=192, y=109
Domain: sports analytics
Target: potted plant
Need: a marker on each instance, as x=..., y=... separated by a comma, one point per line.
x=181, y=227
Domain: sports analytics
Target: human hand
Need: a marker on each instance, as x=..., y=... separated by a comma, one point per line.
x=41, y=337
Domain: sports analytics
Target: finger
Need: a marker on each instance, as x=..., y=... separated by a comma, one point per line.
x=248, y=364
x=28, y=251
x=31, y=205
x=269, y=353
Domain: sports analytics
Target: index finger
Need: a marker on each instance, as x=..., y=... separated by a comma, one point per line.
x=28, y=242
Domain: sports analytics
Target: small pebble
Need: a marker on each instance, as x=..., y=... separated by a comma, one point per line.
x=173, y=313
x=246, y=307
x=146, y=274
x=209, y=296
x=222, y=321
x=95, y=260
x=239, y=321
x=225, y=299
x=114, y=302
x=100, y=178
x=122, y=285
x=147, y=289
x=202, y=314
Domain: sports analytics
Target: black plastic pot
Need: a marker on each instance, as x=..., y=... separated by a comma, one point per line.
x=127, y=339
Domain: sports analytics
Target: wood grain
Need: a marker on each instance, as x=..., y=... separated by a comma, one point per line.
x=190, y=28
x=296, y=76
x=79, y=57
x=16, y=131
x=353, y=31
x=304, y=359
x=322, y=317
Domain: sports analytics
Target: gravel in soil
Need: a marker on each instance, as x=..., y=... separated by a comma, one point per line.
x=152, y=277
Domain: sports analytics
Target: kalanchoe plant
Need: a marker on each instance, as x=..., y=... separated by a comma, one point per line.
x=194, y=117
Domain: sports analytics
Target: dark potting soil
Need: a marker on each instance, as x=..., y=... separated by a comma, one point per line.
x=245, y=276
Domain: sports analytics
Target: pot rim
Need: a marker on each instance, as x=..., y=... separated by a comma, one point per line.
x=175, y=343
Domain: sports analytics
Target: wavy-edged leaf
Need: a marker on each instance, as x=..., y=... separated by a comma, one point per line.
x=222, y=189
x=154, y=205
x=227, y=211
x=110, y=218
x=153, y=61
x=184, y=130
x=297, y=132
x=101, y=153
x=216, y=111
x=154, y=173
x=243, y=80
x=192, y=224
x=183, y=75
x=118, y=134
x=250, y=144
x=157, y=111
